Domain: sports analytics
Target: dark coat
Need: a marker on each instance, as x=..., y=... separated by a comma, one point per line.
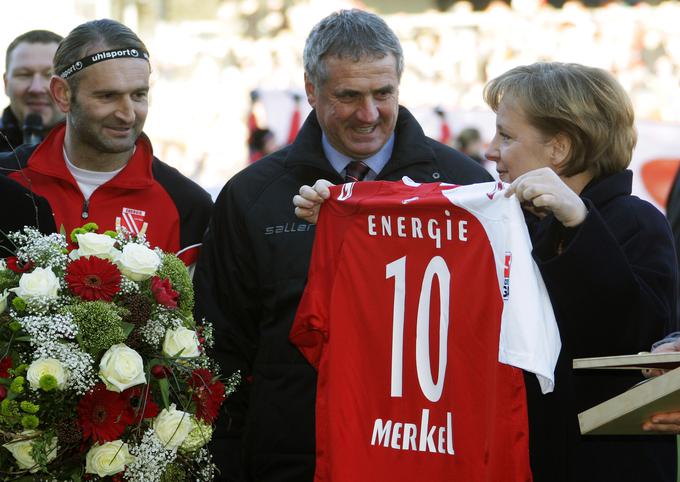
x=673, y=214
x=19, y=207
x=613, y=292
x=11, y=136
x=249, y=280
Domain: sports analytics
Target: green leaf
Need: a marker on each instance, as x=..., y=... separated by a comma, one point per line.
x=127, y=328
x=165, y=391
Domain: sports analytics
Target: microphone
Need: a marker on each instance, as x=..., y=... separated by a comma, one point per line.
x=33, y=128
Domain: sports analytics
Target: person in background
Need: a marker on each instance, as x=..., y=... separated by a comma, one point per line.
x=564, y=139
x=469, y=142
x=253, y=266
x=260, y=143
x=99, y=166
x=28, y=69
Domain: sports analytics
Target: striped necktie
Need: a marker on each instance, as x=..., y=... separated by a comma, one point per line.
x=356, y=171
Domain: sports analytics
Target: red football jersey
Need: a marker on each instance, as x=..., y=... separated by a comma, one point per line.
x=406, y=314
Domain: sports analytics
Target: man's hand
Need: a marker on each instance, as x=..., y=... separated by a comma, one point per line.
x=542, y=191
x=308, y=202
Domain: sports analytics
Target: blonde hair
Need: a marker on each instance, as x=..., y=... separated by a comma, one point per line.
x=586, y=104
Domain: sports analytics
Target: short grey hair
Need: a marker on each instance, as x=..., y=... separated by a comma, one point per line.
x=353, y=34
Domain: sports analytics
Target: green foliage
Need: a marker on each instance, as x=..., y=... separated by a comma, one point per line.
x=47, y=382
x=174, y=473
x=30, y=422
x=19, y=304
x=42, y=447
x=9, y=408
x=17, y=385
x=76, y=232
x=100, y=325
x=29, y=407
x=173, y=268
x=8, y=279
x=87, y=228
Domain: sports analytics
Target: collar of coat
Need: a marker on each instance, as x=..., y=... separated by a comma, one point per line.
x=409, y=144
x=48, y=159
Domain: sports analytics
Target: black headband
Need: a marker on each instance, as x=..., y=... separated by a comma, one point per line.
x=79, y=65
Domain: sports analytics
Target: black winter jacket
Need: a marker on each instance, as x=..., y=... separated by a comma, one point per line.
x=19, y=207
x=11, y=136
x=613, y=292
x=249, y=280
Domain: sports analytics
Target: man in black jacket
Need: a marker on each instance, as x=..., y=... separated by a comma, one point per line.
x=253, y=265
x=28, y=69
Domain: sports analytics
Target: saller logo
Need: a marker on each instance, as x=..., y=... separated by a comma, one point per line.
x=506, y=275
x=346, y=191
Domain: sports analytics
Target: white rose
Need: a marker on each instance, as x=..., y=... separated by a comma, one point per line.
x=40, y=282
x=108, y=459
x=138, y=262
x=3, y=301
x=21, y=450
x=121, y=368
x=93, y=244
x=172, y=426
x=46, y=366
x=181, y=342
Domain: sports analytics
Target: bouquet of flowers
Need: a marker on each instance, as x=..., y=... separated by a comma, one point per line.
x=103, y=370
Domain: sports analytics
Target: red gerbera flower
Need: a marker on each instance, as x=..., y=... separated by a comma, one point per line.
x=17, y=266
x=139, y=408
x=5, y=365
x=93, y=278
x=208, y=394
x=103, y=415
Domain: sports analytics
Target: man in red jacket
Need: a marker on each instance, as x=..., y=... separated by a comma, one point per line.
x=99, y=166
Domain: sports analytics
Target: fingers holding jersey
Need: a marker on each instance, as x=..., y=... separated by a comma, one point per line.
x=308, y=202
x=542, y=191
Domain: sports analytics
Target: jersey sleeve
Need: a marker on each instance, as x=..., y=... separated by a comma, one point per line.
x=529, y=337
x=310, y=327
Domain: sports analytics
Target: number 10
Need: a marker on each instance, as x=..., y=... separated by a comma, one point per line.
x=397, y=270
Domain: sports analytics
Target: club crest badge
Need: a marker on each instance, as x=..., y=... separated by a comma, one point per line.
x=132, y=220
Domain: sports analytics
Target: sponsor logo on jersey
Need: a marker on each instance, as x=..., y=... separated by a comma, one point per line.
x=132, y=220
x=437, y=230
x=346, y=191
x=506, y=275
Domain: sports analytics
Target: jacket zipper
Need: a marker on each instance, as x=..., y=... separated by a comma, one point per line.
x=86, y=206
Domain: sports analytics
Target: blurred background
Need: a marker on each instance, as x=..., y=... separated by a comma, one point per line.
x=228, y=73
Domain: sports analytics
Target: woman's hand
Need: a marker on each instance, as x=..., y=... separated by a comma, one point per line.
x=308, y=202
x=541, y=191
